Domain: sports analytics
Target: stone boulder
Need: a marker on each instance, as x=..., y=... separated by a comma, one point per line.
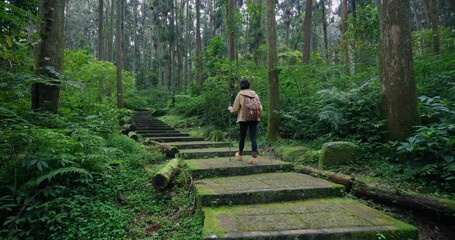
x=337, y=153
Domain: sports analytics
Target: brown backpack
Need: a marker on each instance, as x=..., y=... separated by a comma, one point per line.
x=252, y=108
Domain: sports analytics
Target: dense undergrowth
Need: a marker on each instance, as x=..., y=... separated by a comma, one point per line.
x=71, y=175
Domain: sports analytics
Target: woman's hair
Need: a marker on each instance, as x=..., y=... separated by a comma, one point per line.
x=244, y=84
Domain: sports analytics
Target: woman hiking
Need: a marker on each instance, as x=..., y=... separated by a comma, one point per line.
x=248, y=108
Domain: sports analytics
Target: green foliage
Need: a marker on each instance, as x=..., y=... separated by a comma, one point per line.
x=431, y=149
x=422, y=41
x=435, y=75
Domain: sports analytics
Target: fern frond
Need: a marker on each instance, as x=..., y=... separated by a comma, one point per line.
x=54, y=173
x=332, y=115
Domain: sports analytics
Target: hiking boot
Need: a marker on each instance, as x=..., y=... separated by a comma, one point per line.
x=253, y=160
x=238, y=156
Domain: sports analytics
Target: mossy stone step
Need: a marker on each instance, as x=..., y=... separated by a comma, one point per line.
x=198, y=144
x=225, y=166
x=151, y=125
x=141, y=131
x=154, y=128
x=208, y=152
x=177, y=134
x=176, y=139
x=264, y=188
x=311, y=219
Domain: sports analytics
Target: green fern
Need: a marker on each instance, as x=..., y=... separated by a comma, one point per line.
x=54, y=173
x=332, y=115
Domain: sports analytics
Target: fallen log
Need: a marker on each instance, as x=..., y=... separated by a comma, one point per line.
x=133, y=135
x=344, y=180
x=170, y=151
x=129, y=127
x=410, y=201
x=163, y=177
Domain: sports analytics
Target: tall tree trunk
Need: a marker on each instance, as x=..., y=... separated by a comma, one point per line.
x=100, y=29
x=398, y=87
x=231, y=29
x=307, y=32
x=135, y=38
x=198, y=42
x=432, y=6
x=344, y=30
x=49, y=62
x=120, y=52
x=324, y=29
x=273, y=125
x=110, y=45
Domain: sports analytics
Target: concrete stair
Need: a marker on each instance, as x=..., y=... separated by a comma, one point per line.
x=269, y=200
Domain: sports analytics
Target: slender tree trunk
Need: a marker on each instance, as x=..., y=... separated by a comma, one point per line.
x=398, y=87
x=110, y=45
x=273, y=125
x=344, y=30
x=135, y=4
x=231, y=29
x=287, y=31
x=120, y=52
x=307, y=32
x=49, y=62
x=100, y=29
x=198, y=42
x=432, y=6
x=324, y=29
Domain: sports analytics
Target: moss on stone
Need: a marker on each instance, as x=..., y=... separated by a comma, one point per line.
x=337, y=153
x=323, y=218
x=300, y=154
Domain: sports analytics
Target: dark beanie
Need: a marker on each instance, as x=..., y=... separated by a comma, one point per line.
x=244, y=84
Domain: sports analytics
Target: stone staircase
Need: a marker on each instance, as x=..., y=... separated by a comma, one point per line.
x=268, y=200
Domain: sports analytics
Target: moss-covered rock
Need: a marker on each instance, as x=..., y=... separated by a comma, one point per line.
x=337, y=153
x=301, y=154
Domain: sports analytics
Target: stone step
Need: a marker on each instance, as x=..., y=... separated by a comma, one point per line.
x=177, y=139
x=225, y=166
x=141, y=131
x=154, y=128
x=264, y=188
x=311, y=219
x=198, y=144
x=165, y=134
x=151, y=125
x=150, y=120
x=208, y=152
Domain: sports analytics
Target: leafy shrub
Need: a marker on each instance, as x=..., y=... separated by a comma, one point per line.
x=431, y=149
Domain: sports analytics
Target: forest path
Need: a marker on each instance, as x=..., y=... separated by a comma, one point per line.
x=268, y=200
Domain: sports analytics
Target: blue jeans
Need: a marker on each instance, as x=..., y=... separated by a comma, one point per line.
x=252, y=126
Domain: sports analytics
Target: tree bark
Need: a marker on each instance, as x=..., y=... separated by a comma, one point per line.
x=49, y=62
x=231, y=29
x=163, y=177
x=110, y=44
x=344, y=30
x=119, y=49
x=344, y=180
x=324, y=29
x=170, y=151
x=307, y=32
x=274, y=100
x=198, y=42
x=100, y=28
x=432, y=7
x=398, y=87
x=412, y=201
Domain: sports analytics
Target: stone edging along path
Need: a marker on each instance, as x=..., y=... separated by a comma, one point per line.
x=269, y=200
